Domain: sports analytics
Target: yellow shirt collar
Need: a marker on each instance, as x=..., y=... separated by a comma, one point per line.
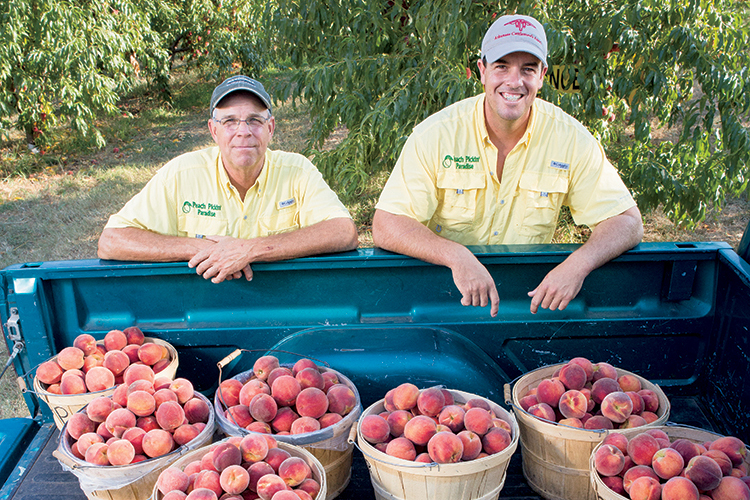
x=481, y=124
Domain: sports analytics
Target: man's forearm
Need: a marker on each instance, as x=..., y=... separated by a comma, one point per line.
x=131, y=243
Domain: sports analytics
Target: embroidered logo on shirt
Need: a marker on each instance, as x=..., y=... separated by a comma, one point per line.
x=560, y=165
x=544, y=194
x=464, y=162
x=287, y=203
x=205, y=209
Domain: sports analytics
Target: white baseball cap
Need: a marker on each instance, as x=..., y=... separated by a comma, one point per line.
x=515, y=34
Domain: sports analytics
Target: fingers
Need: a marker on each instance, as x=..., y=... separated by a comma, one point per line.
x=248, y=272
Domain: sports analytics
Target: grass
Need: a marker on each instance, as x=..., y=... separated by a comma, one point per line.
x=53, y=206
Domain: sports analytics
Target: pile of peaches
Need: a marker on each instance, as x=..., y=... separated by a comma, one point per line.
x=237, y=468
x=90, y=367
x=592, y=396
x=428, y=426
x=649, y=466
x=283, y=401
x=144, y=418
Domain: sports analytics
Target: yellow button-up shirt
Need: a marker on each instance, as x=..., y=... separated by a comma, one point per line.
x=446, y=177
x=192, y=196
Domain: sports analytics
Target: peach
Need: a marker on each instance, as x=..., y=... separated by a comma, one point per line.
x=614, y=483
x=312, y=402
x=201, y=494
x=420, y=429
x=170, y=415
x=573, y=376
x=263, y=407
x=161, y=382
x=196, y=410
x=72, y=385
x=310, y=377
x=477, y=403
x=472, y=444
x=704, y=472
x=172, y=478
x=618, y=440
x=667, y=463
x=650, y=400
x=147, y=423
x=135, y=436
x=452, y=416
x=120, y=420
x=294, y=470
x=617, y=406
x=635, y=472
x=571, y=422
x=140, y=385
x=150, y=353
x=99, y=378
x=609, y=460
x=87, y=440
x=209, y=479
x=637, y=401
x=495, y=440
x=445, y=448
x=430, y=401
x=629, y=383
x=721, y=458
x=405, y=396
x=283, y=420
x=134, y=335
x=138, y=372
x=641, y=448
x=115, y=340
x=183, y=388
x=679, y=488
x=573, y=403
x=285, y=390
x=229, y=392
x=157, y=442
x=730, y=488
x=253, y=448
x=275, y=457
x=120, y=395
x=375, y=429
x=588, y=366
x=91, y=361
x=423, y=458
x=686, y=448
x=402, y=448
x=251, y=388
x=341, y=399
x=645, y=488
x=602, y=387
x=604, y=370
x=276, y=373
x=256, y=470
x=86, y=343
x=160, y=365
x=226, y=454
x=649, y=417
x=311, y=486
x=477, y=420
x=268, y=485
x=302, y=364
x=185, y=433
x=141, y=403
x=265, y=365
x=528, y=401
x=499, y=422
x=70, y=358
x=330, y=419
x=733, y=447
x=304, y=424
x=120, y=452
x=397, y=420
x=549, y=391
x=49, y=372
x=598, y=422
x=330, y=379
x=234, y=479
x=543, y=411
x=97, y=454
x=99, y=408
x=239, y=415
x=162, y=395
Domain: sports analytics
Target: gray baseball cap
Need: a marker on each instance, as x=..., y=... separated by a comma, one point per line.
x=239, y=82
x=515, y=34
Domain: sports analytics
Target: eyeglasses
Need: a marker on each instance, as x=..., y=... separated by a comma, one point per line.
x=232, y=124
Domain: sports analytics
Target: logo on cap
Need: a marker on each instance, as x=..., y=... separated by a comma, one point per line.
x=520, y=24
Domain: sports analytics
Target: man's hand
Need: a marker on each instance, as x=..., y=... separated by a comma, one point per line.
x=557, y=289
x=225, y=260
x=476, y=285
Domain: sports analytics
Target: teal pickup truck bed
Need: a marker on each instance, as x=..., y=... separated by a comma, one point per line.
x=676, y=314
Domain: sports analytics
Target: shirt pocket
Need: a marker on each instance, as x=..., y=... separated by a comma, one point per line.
x=193, y=226
x=279, y=220
x=457, y=193
x=540, y=198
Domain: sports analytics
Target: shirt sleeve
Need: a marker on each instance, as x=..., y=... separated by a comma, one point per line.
x=153, y=208
x=411, y=189
x=319, y=201
x=597, y=192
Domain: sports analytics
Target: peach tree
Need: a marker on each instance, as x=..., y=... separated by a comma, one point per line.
x=378, y=68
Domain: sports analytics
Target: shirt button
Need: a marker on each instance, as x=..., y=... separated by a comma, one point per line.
x=496, y=233
x=245, y=217
x=502, y=202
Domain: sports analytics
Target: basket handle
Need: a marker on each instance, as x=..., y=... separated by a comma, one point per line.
x=506, y=395
x=64, y=459
x=232, y=356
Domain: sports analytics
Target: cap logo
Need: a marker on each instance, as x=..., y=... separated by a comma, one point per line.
x=520, y=24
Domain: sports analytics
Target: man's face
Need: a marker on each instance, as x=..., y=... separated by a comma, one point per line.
x=511, y=84
x=245, y=147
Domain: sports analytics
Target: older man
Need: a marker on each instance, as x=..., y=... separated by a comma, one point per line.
x=227, y=206
x=495, y=169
